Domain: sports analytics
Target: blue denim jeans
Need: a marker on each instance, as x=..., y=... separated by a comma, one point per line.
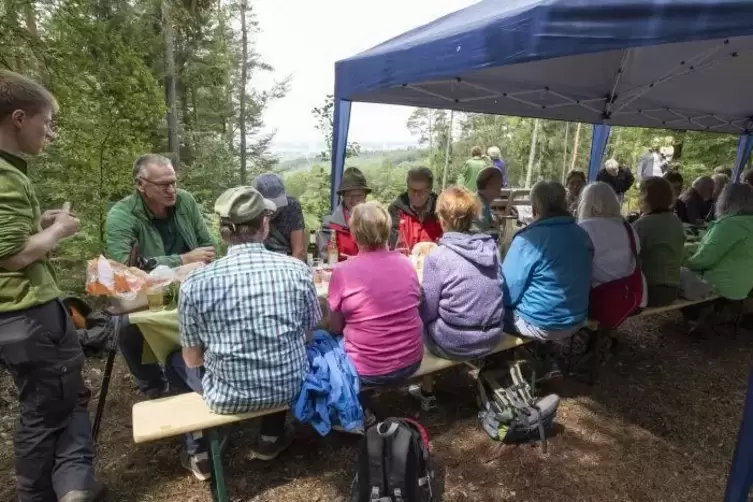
x=390, y=378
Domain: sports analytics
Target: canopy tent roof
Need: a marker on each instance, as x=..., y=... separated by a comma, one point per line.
x=683, y=64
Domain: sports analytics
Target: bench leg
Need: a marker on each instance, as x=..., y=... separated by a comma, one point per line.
x=220, y=492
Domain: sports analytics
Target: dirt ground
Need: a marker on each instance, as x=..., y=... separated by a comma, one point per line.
x=659, y=426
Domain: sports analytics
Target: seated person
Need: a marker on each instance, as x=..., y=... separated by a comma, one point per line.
x=747, y=177
x=574, y=183
x=352, y=191
x=698, y=201
x=599, y=214
x=373, y=301
x=413, y=213
x=244, y=321
x=720, y=181
x=662, y=241
x=546, y=274
x=286, y=228
x=461, y=272
x=723, y=170
x=676, y=180
x=725, y=255
x=489, y=187
x=618, y=177
x=162, y=225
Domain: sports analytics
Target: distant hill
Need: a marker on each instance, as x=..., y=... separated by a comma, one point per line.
x=366, y=157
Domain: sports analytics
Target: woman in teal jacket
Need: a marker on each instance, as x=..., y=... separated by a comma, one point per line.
x=546, y=274
x=725, y=256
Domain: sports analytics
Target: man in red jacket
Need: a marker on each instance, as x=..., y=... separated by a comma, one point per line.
x=353, y=190
x=414, y=217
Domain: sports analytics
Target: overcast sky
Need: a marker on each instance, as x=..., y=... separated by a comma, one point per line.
x=304, y=38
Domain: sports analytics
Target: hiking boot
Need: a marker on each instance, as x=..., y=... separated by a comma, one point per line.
x=428, y=401
x=96, y=494
x=269, y=450
x=369, y=419
x=198, y=464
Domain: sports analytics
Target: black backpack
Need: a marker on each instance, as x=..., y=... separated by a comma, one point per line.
x=513, y=414
x=393, y=464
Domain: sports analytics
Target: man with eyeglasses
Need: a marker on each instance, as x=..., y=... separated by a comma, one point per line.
x=166, y=227
x=414, y=217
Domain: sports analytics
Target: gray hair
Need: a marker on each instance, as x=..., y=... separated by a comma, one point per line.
x=612, y=164
x=703, y=182
x=147, y=159
x=734, y=198
x=493, y=152
x=548, y=199
x=598, y=200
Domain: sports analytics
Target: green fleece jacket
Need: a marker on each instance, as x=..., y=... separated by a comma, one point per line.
x=130, y=222
x=469, y=174
x=725, y=256
x=20, y=219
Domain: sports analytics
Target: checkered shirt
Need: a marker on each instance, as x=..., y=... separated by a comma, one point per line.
x=250, y=312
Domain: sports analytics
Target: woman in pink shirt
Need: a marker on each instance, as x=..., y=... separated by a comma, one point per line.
x=373, y=300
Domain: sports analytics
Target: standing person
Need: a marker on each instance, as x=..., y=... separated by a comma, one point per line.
x=353, y=190
x=244, y=321
x=286, y=229
x=166, y=225
x=574, y=184
x=53, y=446
x=652, y=163
x=617, y=177
x=496, y=157
x=471, y=168
x=414, y=217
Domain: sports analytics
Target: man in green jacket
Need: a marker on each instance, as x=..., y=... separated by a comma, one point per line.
x=54, y=451
x=166, y=226
x=472, y=168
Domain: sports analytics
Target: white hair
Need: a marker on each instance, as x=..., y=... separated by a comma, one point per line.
x=598, y=200
x=612, y=165
x=493, y=152
x=734, y=198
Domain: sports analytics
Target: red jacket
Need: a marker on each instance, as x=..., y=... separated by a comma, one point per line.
x=336, y=224
x=407, y=226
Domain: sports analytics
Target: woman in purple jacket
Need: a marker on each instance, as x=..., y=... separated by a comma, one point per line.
x=461, y=304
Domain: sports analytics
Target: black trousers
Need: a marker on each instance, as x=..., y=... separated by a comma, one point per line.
x=54, y=451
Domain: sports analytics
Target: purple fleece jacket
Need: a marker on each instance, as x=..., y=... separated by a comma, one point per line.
x=461, y=305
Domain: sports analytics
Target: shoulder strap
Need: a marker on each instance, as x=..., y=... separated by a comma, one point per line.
x=375, y=453
x=398, y=464
x=633, y=247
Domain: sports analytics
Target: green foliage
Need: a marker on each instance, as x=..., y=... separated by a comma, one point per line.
x=103, y=60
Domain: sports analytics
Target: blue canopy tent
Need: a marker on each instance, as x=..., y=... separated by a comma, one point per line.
x=678, y=64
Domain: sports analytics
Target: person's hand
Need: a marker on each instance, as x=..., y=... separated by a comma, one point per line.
x=204, y=254
x=65, y=223
x=48, y=217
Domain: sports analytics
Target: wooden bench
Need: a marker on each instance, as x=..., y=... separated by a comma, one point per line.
x=171, y=416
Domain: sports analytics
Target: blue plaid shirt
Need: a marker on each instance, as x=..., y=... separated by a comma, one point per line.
x=250, y=312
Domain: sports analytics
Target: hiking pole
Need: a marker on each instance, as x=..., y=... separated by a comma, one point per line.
x=115, y=322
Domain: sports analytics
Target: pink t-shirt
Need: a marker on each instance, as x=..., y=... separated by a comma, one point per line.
x=378, y=294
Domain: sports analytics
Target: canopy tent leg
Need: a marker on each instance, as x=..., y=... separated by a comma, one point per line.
x=598, y=146
x=740, y=476
x=744, y=147
x=340, y=126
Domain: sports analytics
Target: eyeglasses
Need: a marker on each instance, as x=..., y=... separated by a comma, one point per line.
x=163, y=185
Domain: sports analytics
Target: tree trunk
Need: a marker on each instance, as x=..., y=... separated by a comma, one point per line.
x=564, y=155
x=173, y=144
x=447, y=150
x=576, y=144
x=532, y=152
x=242, y=90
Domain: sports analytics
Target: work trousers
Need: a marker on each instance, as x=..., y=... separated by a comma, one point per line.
x=53, y=446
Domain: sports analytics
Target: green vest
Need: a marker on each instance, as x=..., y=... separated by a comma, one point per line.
x=20, y=218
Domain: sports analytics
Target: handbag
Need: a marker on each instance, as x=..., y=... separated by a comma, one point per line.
x=614, y=301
